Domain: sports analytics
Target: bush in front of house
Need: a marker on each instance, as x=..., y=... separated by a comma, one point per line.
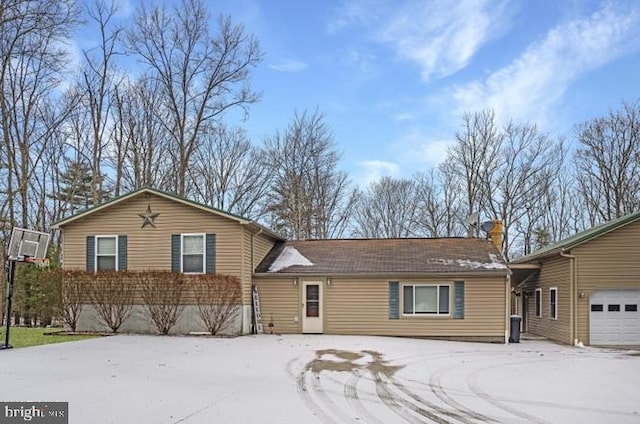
x=162, y=295
x=112, y=294
x=218, y=299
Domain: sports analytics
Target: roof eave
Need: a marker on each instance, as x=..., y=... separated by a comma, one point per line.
x=114, y=201
x=389, y=274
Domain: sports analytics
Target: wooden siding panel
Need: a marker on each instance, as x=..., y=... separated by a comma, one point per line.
x=360, y=306
x=262, y=244
x=607, y=262
x=554, y=273
x=150, y=248
x=280, y=304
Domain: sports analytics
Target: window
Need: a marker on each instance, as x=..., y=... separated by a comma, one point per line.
x=553, y=303
x=106, y=253
x=613, y=308
x=597, y=307
x=193, y=253
x=631, y=308
x=425, y=299
x=538, y=302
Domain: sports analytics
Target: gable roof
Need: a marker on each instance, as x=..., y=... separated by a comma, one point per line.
x=372, y=256
x=579, y=238
x=166, y=195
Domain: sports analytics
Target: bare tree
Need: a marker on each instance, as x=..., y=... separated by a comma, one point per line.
x=388, y=209
x=310, y=197
x=201, y=76
x=96, y=84
x=439, y=201
x=32, y=59
x=218, y=298
x=140, y=138
x=526, y=166
x=475, y=156
x=608, y=163
x=230, y=174
x=162, y=293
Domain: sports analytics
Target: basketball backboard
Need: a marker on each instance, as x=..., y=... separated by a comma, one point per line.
x=27, y=243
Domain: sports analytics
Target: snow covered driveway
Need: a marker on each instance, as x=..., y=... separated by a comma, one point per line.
x=324, y=379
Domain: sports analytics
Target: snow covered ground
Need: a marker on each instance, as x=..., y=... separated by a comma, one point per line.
x=324, y=379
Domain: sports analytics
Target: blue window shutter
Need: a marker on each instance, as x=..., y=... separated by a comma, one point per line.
x=122, y=253
x=91, y=254
x=458, y=300
x=210, y=249
x=394, y=300
x=175, y=252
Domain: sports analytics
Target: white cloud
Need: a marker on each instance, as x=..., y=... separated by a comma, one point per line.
x=418, y=146
x=532, y=85
x=288, y=65
x=443, y=36
x=373, y=170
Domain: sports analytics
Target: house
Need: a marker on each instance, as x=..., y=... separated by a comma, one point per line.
x=585, y=288
x=151, y=229
x=456, y=288
x=453, y=288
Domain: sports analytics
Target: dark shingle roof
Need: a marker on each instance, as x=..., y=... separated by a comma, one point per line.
x=366, y=256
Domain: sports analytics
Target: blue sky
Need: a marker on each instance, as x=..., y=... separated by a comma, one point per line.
x=393, y=78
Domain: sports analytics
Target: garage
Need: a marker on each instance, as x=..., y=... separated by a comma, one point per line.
x=614, y=317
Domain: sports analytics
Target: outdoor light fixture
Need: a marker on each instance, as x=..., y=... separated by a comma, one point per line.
x=328, y=282
x=581, y=295
x=295, y=281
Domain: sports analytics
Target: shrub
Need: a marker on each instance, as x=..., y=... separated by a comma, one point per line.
x=112, y=294
x=162, y=293
x=218, y=299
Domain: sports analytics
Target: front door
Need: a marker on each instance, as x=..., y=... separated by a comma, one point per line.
x=312, y=307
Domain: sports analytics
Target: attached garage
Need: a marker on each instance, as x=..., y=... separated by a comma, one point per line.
x=614, y=317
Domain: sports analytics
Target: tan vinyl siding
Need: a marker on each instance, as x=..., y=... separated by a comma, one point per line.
x=150, y=248
x=610, y=261
x=280, y=302
x=262, y=244
x=554, y=273
x=361, y=306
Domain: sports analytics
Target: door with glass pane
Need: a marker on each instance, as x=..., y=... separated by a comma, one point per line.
x=312, y=307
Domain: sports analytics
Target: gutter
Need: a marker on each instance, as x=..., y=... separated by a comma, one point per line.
x=573, y=296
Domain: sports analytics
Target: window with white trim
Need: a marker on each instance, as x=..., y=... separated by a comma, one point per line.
x=538, y=300
x=193, y=253
x=422, y=299
x=106, y=253
x=553, y=303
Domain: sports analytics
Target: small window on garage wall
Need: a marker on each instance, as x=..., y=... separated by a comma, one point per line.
x=538, y=299
x=553, y=303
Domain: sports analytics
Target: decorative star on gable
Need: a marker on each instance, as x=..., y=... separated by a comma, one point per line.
x=149, y=217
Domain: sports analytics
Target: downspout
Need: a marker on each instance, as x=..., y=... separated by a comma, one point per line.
x=507, y=310
x=573, y=287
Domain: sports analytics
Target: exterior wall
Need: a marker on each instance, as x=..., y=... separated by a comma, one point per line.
x=139, y=323
x=611, y=261
x=280, y=303
x=555, y=272
x=150, y=248
x=361, y=306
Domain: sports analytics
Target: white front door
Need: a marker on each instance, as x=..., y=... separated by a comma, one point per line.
x=312, y=307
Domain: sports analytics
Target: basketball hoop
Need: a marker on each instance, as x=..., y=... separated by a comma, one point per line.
x=24, y=246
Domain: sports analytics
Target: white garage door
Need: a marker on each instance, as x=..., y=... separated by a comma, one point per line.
x=614, y=317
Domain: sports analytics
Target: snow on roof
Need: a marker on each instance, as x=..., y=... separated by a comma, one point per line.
x=289, y=257
x=494, y=264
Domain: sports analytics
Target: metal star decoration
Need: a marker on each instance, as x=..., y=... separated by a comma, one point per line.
x=149, y=217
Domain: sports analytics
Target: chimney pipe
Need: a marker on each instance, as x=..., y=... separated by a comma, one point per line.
x=496, y=234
